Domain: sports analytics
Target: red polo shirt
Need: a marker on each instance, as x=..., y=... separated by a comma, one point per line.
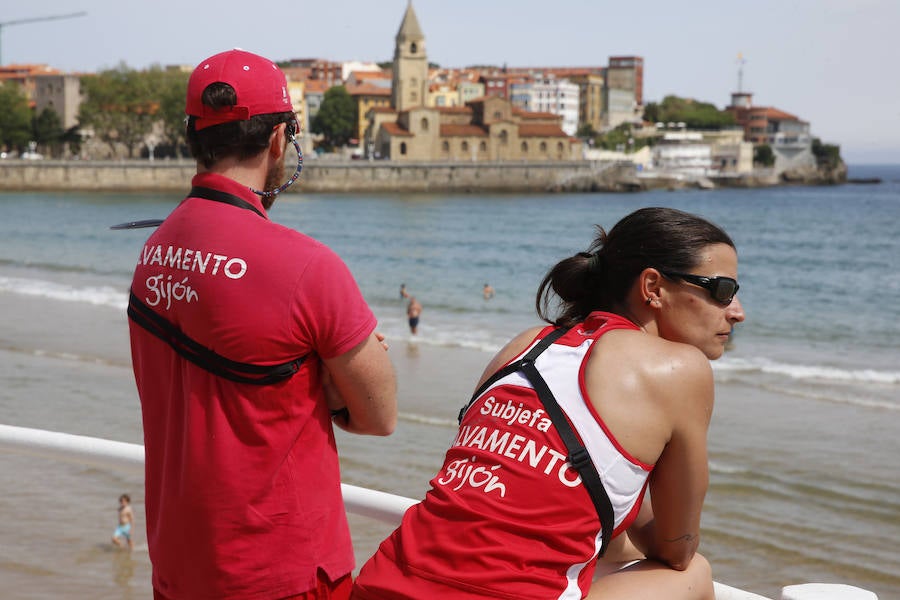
x=242, y=481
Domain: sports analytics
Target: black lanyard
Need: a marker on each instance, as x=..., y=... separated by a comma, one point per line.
x=195, y=352
x=196, y=192
x=223, y=197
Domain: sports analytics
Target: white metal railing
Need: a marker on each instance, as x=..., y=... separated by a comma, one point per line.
x=388, y=508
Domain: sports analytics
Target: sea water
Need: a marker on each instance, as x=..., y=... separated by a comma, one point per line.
x=805, y=479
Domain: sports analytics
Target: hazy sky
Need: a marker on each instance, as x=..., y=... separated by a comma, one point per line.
x=833, y=63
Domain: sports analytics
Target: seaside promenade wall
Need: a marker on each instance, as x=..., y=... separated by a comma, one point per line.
x=327, y=176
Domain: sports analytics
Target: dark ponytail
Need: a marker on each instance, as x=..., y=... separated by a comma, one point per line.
x=599, y=279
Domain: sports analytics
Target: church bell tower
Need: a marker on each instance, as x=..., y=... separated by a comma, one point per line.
x=410, y=80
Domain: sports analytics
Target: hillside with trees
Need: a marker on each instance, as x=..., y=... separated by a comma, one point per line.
x=693, y=113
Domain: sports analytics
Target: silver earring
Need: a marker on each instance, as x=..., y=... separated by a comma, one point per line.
x=649, y=300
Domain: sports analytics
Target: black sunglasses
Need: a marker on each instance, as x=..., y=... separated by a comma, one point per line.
x=722, y=289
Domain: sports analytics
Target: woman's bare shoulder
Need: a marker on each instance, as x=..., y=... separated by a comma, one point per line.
x=512, y=348
x=655, y=362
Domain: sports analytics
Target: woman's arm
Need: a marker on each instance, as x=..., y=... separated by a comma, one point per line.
x=680, y=478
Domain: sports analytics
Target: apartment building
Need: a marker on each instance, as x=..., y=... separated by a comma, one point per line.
x=549, y=95
x=787, y=135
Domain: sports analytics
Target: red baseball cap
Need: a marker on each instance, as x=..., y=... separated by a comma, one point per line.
x=260, y=86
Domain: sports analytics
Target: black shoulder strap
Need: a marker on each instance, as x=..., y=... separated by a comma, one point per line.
x=196, y=192
x=578, y=454
x=205, y=358
x=578, y=458
x=223, y=197
x=513, y=367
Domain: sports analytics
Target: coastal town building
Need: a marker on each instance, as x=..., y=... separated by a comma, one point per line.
x=627, y=73
x=487, y=128
x=591, y=106
x=787, y=135
x=60, y=93
x=453, y=87
x=443, y=94
x=45, y=87
x=410, y=72
x=551, y=95
x=496, y=84
x=624, y=90
x=591, y=88
x=367, y=96
x=357, y=67
x=683, y=152
x=469, y=90
x=297, y=90
x=313, y=95
x=731, y=153
x=318, y=69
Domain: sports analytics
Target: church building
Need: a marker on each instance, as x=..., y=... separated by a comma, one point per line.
x=485, y=129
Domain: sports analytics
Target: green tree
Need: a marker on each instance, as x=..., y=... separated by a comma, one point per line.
x=169, y=89
x=49, y=132
x=828, y=156
x=336, y=119
x=586, y=130
x=72, y=138
x=119, y=106
x=614, y=139
x=621, y=138
x=15, y=117
x=693, y=113
x=763, y=155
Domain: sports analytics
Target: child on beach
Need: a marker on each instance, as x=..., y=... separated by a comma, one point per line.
x=126, y=521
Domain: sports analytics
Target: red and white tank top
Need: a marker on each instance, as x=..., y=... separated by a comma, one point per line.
x=507, y=516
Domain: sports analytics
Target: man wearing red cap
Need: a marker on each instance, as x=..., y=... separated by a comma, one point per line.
x=248, y=340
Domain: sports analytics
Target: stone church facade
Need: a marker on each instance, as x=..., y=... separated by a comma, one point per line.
x=485, y=129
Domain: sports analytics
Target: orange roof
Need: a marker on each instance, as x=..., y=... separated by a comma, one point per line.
x=316, y=85
x=462, y=130
x=527, y=114
x=361, y=75
x=773, y=114
x=395, y=129
x=514, y=79
x=459, y=110
x=540, y=130
x=496, y=75
x=368, y=89
x=25, y=71
x=296, y=73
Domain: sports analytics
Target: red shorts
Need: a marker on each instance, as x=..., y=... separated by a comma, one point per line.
x=325, y=589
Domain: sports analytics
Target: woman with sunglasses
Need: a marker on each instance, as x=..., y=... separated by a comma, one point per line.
x=516, y=511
